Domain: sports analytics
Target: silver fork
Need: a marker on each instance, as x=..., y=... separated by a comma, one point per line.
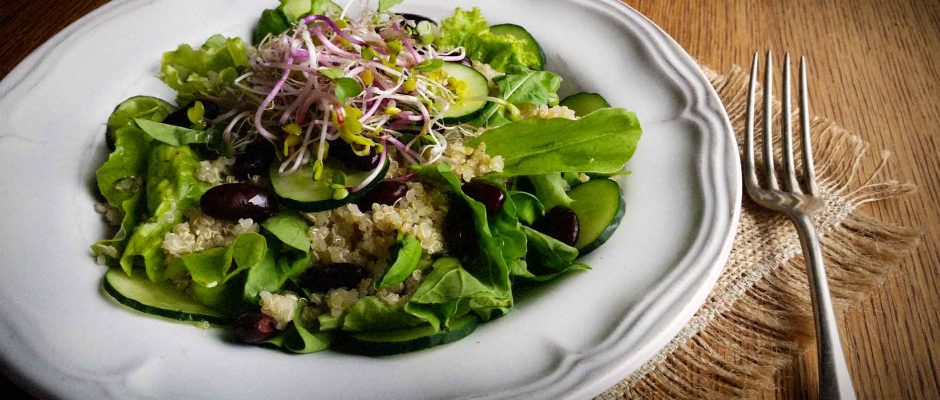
x=834, y=379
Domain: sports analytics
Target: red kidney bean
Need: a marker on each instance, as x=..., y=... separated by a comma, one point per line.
x=238, y=200
x=560, y=223
x=253, y=328
x=385, y=192
x=489, y=194
x=322, y=278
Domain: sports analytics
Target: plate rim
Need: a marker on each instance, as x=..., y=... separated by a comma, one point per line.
x=593, y=373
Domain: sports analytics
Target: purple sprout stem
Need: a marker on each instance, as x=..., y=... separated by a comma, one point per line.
x=267, y=100
x=408, y=153
x=335, y=28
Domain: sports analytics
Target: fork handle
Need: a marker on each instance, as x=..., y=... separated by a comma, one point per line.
x=834, y=379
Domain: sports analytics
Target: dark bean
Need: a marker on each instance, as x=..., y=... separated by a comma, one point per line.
x=487, y=193
x=238, y=200
x=385, y=192
x=343, y=152
x=253, y=328
x=178, y=118
x=459, y=231
x=254, y=160
x=322, y=278
x=560, y=223
x=210, y=109
x=416, y=18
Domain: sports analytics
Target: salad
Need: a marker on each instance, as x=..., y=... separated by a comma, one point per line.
x=356, y=179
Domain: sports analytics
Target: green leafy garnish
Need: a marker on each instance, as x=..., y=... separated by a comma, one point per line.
x=470, y=30
x=406, y=255
x=207, y=71
x=601, y=142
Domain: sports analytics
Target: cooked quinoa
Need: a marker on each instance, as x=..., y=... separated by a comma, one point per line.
x=279, y=306
x=216, y=171
x=200, y=232
x=545, y=112
x=468, y=162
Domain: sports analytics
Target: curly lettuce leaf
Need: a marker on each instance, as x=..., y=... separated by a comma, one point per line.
x=120, y=177
x=171, y=190
x=207, y=71
x=385, y=5
x=470, y=30
x=601, y=142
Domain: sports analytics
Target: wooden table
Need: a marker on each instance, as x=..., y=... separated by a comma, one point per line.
x=875, y=68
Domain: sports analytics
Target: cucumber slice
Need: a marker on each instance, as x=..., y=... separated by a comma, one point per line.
x=380, y=343
x=157, y=298
x=600, y=207
x=584, y=103
x=298, y=190
x=530, y=44
x=477, y=88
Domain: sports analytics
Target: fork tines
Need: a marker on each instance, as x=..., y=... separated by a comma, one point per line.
x=789, y=180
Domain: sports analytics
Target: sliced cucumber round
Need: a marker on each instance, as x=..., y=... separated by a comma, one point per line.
x=477, y=88
x=300, y=191
x=157, y=298
x=379, y=343
x=530, y=45
x=600, y=207
x=584, y=103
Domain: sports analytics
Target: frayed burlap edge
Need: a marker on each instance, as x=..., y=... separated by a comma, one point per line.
x=757, y=321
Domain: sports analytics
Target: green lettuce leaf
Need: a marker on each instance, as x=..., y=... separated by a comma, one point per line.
x=528, y=207
x=520, y=86
x=287, y=256
x=551, y=190
x=298, y=339
x=272, y=22
x=120, y=177
x=207, y=71
x=171, y=190
x=600, y=142
x=385, y=5
x=547, y=257
x=372, y=314
x=290, y=228
x=450, y=291
x=459, y=28
x=406, y=255
x=171, y=134
x=470, y=30
x=214, y=267
x=499, y=252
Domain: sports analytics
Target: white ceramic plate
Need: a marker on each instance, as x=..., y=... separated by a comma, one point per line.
x=581, y=334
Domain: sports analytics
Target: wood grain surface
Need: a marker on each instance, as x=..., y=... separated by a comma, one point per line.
x=874, y=68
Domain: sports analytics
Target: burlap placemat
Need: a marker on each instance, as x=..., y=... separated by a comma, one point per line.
x=758, y=317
